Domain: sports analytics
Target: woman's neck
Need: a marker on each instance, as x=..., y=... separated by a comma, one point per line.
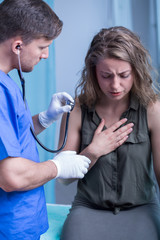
x=111, y=111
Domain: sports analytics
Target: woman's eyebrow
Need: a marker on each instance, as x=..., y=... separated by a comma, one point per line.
x=125, y=71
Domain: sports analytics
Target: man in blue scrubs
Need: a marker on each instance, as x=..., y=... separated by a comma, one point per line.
x=27, y=28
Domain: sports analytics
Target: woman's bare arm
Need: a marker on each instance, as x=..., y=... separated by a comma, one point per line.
x=154, y=126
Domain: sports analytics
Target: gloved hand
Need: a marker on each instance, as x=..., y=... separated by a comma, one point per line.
x=71, y=165
x=56, y=108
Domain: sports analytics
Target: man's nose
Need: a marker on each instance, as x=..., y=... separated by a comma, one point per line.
x=45, y=53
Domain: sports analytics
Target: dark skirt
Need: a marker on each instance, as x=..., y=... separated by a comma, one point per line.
x=138, y=223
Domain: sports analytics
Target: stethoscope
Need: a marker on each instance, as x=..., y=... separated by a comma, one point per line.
x=31, y=128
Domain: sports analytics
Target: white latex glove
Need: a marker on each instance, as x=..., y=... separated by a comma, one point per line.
x=57, y=107
x=71, y=165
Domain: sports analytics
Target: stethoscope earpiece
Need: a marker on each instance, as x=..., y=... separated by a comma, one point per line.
x=18, y=46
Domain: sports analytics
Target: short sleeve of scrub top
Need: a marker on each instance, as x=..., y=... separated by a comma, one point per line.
x=15, y=119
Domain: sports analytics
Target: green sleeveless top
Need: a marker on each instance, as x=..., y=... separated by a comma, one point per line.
x=124, y=177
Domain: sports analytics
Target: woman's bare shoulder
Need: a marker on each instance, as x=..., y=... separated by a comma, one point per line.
x=153, y=114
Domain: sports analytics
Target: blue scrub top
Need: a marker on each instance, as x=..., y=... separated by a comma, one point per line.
x=23, y=215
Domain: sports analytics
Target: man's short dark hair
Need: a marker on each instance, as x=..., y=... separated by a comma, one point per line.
x=30, y=19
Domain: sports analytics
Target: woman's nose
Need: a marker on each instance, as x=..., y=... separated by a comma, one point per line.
x=115, y=82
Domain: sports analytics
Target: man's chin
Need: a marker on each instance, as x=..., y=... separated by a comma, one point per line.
x=28, y=70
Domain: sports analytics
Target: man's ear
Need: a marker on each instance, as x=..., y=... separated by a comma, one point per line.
x=17, y=46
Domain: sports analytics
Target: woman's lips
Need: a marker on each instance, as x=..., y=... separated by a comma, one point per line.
x=115, y=93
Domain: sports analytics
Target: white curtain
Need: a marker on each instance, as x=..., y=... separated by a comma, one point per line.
x=157, y=7
x=122, y=13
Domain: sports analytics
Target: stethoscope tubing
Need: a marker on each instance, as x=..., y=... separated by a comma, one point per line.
x=31, y=128
x=64, y=140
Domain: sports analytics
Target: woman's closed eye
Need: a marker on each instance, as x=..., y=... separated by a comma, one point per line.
x=124, y=75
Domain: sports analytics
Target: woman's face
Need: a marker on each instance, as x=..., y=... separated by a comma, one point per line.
x=115, y=78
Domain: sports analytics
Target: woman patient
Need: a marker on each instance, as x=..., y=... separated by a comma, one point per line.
x=115, y=123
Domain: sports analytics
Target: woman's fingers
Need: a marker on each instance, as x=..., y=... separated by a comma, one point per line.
x=116, y=129
x=122, y=137
x=124, y=130
x=120, y=142
x=118, y=124
x=122, y=134
x=100, y=127
x=106, y=141
x=112, y=128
